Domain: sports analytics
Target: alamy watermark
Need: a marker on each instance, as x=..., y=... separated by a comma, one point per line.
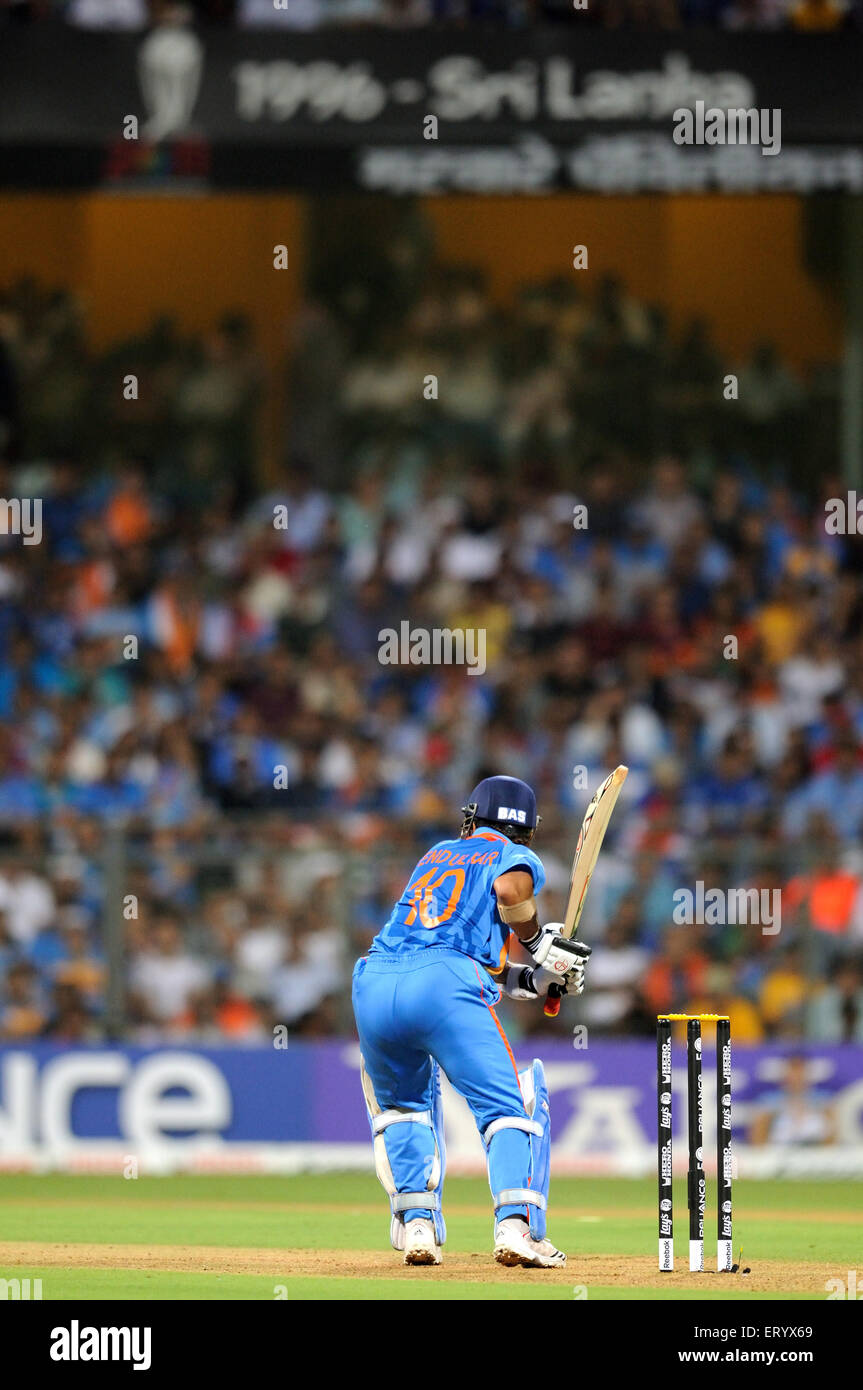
x=845, y=1288
x=719, y=907
x=844, y=515
x=20, y=1289
x=21, y=516
x=713, y=125
x=77, y=1343
x=435, y=646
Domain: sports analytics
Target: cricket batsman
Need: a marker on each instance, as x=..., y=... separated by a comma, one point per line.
x=424, y=999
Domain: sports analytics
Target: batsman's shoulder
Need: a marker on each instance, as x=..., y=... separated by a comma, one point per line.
x=521, y=857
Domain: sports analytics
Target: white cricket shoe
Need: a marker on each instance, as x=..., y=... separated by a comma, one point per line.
x=421, y=1247
x=514, y=1245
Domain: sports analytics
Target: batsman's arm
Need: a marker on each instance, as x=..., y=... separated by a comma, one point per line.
x=562, y=958
x=517, y=908
x=516, y=903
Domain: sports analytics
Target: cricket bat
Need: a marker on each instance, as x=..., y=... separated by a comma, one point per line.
x=590, y=839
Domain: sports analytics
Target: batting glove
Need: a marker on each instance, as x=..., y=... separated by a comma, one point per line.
x=519, y=982
x=561, y=956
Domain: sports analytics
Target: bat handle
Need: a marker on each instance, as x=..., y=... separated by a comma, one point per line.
x=551, y=1008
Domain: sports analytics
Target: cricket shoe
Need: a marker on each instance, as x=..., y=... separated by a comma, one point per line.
x=514, y=1245
x=421, y=1247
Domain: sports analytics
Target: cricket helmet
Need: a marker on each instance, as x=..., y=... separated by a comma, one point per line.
x=506, y=803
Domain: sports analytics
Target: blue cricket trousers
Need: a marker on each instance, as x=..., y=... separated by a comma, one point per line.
x=438, y=1004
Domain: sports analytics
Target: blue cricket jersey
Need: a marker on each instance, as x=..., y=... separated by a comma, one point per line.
x=449, y=899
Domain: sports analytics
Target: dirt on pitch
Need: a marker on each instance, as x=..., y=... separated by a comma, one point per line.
x=633, y=1272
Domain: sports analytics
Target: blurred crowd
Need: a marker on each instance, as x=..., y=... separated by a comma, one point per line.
x=803, y=16
x=200, y=743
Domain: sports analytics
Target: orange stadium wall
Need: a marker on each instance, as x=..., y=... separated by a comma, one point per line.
x=738, y=261
x=133, y=258
x=130, y=259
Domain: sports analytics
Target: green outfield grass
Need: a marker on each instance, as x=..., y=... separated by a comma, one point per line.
x=188, y=1221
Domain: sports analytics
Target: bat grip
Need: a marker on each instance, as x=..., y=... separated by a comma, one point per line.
x=551, y=1008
